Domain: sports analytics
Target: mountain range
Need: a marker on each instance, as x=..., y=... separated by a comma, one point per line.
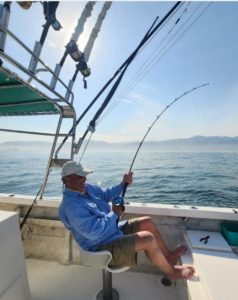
x=193, y=144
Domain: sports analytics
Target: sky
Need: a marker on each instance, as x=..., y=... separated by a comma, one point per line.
x=201, y=48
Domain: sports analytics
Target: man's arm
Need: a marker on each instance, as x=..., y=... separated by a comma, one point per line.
x=117, y=190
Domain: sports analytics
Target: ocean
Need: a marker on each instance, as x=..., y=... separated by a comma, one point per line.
x=199, y=178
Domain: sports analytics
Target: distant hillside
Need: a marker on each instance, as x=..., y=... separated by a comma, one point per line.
x=193, y=144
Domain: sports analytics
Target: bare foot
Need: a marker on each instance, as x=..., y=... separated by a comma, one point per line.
x=182, y=272
x=174, y=255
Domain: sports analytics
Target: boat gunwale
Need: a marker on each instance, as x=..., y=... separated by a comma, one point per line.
x=154, y=209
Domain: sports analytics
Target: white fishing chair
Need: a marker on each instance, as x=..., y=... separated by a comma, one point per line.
x=100, y=260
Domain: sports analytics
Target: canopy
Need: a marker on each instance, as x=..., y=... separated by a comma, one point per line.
x=18, y=98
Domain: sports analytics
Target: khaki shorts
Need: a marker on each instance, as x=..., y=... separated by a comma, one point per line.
x=123, y=249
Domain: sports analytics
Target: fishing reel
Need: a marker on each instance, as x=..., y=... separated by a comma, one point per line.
x=83, y=67
x=78, y=56
x=117, y=201
x=73, y=50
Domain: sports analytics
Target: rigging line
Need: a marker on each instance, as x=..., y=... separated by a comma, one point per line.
x=177, y=4
x=162, y=25
x=85, y=147
x=156, y=33
x=153, y=63
x=132, y=84
x=153, y=123
x=157, y=49
x=92, y=123
x=179, y=18
x=31, y=207
x=153, y=31
x=147, y=68
x=159, y=58
x=182, y=34
x=97, y=96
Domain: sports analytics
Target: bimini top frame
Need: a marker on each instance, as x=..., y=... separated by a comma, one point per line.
x=18, y=96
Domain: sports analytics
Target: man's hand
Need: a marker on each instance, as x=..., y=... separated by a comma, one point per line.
x=127, y=178
x=117, y=210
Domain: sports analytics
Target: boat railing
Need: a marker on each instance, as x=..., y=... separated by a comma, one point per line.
x=29, y=79
x=60, y=100
x=32, y=75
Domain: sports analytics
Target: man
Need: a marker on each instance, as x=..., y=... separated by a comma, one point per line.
x=86, y=213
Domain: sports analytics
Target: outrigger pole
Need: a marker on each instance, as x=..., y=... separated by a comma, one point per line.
x=124, y=65
x=78, y=145
x=121, y=71
x=151, y=126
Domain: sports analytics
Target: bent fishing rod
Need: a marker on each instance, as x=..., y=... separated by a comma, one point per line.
x=121, y=201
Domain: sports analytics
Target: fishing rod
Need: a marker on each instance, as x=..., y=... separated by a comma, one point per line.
x=148, y=36
x=72, y=48
x=121, y=71
x=120, y=201
x=81, y=57
x=82, y=66
x=49, y=10
x=78, y=145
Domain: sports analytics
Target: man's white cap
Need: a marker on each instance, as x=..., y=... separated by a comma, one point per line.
x=71, y=167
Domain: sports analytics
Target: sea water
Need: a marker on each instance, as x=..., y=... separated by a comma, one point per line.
x=204, y=179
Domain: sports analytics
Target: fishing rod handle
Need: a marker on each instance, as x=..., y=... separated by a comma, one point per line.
x=124, y=189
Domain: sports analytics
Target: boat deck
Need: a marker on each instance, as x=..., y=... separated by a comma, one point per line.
x=52, y=281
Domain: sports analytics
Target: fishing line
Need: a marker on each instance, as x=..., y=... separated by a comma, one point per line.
x=120, y=70
x=149, y=40
x=31, y=207
x=149, y=34
x=151, y=126
x=85, y=147
x=147, y=67
x=163, y=25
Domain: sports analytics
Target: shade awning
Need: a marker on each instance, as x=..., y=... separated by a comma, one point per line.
x=18, y=98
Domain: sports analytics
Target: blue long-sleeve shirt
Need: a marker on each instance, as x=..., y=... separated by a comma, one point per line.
x=88, y=217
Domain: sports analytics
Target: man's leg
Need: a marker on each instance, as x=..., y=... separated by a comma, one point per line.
x=147, y=224
x=146, y=241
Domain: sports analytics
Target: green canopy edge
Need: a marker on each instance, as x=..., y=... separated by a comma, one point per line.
x=17, y=98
